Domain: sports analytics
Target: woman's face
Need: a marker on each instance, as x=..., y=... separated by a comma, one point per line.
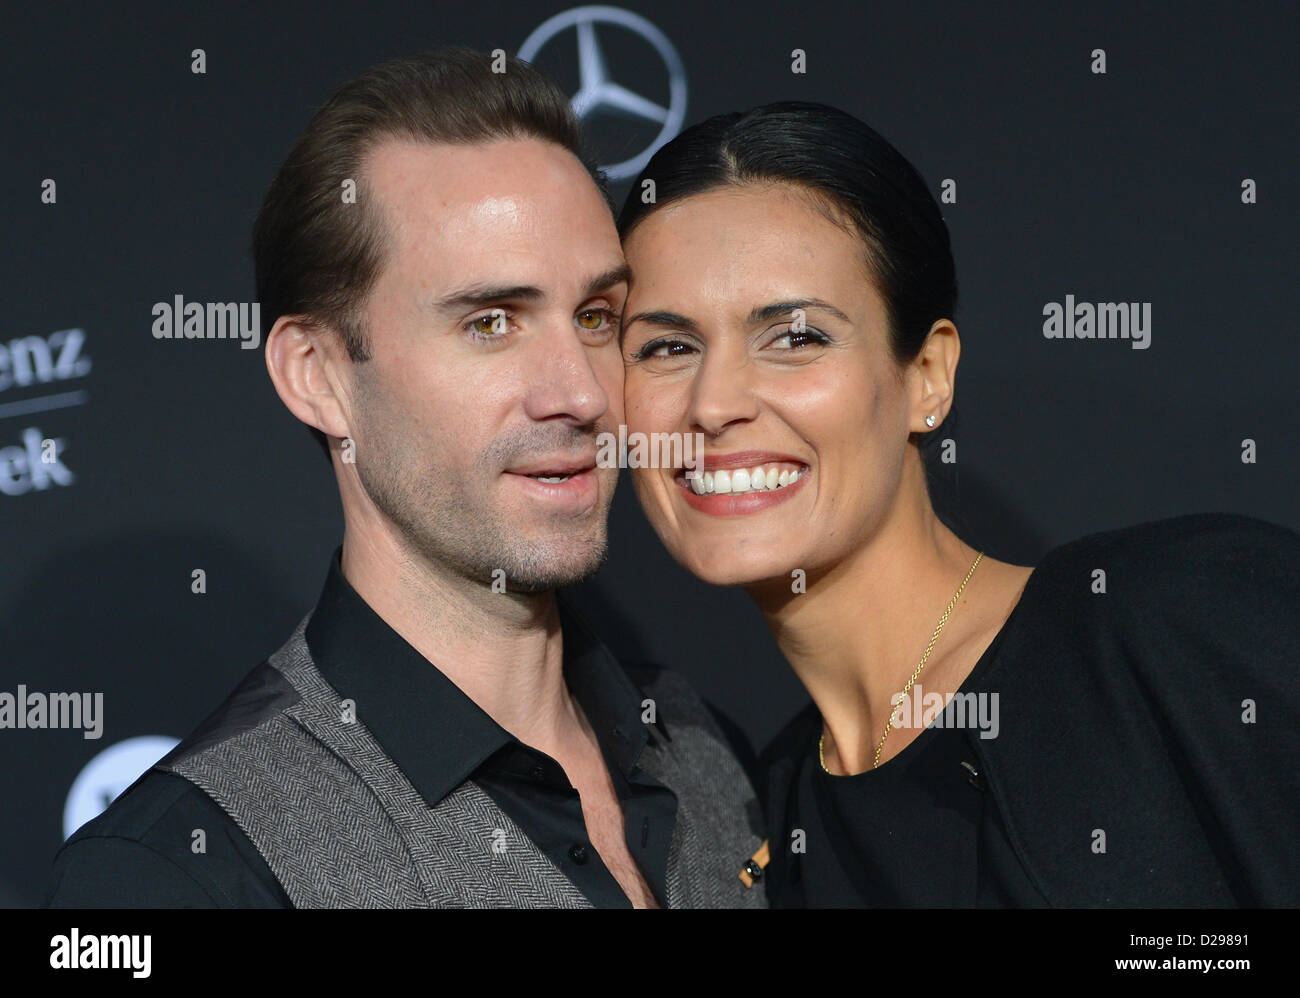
x=752, y=319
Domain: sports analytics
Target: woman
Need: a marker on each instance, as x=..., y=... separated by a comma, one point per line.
x=1115, y=726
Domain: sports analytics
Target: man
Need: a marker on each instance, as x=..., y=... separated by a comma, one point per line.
x=446, y=279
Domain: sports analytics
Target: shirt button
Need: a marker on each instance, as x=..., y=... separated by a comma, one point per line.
x=538, y=773
x=578, y=853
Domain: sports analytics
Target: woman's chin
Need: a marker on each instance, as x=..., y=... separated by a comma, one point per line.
x=727, y=570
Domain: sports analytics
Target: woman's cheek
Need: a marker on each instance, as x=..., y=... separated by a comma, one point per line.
x=650, y=411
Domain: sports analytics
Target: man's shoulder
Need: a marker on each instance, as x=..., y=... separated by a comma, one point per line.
x=669, y=692
x=680, y=702
x=263, y=693
x=649, y=677
x=162, y=843
x=143, y=810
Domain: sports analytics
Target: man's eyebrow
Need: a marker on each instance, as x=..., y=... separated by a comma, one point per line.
x=603, y=282
x=478, y=295
x=765, y=312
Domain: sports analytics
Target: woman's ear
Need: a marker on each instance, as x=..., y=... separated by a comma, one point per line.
x=933, y=377
x=304, y=374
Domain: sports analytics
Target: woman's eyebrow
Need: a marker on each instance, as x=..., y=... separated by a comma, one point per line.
x=660, y=317
x=764, y=313
x=760, y=313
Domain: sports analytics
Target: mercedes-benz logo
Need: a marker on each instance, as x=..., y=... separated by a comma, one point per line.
x=597, y=89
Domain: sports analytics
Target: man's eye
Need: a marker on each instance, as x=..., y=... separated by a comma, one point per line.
x=495, y=323
x=594, y=318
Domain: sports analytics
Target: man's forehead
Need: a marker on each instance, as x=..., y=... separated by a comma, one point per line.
x=515, y=202
x=493, y=182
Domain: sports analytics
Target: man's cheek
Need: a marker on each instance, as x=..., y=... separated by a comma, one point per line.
x=612, y=383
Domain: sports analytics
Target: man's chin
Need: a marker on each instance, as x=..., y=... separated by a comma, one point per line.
x=532, y=583
x=566, y=564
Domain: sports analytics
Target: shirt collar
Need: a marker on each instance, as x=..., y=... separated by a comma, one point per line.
x=431, y=729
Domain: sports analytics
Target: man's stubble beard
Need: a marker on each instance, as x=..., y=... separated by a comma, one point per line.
x=441, y=522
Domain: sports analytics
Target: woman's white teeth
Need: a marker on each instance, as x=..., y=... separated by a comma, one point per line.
x=741, y=480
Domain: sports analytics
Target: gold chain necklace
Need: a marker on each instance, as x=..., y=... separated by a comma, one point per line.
x=889, y=726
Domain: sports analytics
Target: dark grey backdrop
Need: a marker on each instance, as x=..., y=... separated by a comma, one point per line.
x=1117, y=187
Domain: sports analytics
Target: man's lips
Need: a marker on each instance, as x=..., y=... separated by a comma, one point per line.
x=551, y=466
x=563, y=485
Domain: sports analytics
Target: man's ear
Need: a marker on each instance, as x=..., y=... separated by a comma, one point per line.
x=305, y=372
x=934, y=376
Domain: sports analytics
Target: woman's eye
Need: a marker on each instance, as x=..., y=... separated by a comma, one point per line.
x=800, y=338
x=664, y=348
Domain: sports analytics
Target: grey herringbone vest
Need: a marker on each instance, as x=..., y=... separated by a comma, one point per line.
x=340, y=826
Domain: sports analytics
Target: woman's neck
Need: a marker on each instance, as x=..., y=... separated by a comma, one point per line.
x=856, y=634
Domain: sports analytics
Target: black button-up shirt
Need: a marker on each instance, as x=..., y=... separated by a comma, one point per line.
x=138, y=853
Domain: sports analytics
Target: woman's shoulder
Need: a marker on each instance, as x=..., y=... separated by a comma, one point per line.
x=1202, y=553
x=1158, y=666
x=1183, y=602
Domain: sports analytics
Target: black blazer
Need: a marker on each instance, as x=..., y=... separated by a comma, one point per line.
x=1165, y=712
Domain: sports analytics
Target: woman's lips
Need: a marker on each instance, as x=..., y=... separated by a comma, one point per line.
x=730, y=503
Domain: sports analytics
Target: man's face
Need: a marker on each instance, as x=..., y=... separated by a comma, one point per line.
x=494, y=359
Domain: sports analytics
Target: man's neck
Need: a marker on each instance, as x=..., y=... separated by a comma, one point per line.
x=505, y=651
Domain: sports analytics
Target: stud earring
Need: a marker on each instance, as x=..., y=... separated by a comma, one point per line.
x=929, y=420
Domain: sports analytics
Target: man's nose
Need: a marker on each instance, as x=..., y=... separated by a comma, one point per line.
x=562, y=381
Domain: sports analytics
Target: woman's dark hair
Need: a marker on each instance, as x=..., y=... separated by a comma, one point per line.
x=845, y=165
